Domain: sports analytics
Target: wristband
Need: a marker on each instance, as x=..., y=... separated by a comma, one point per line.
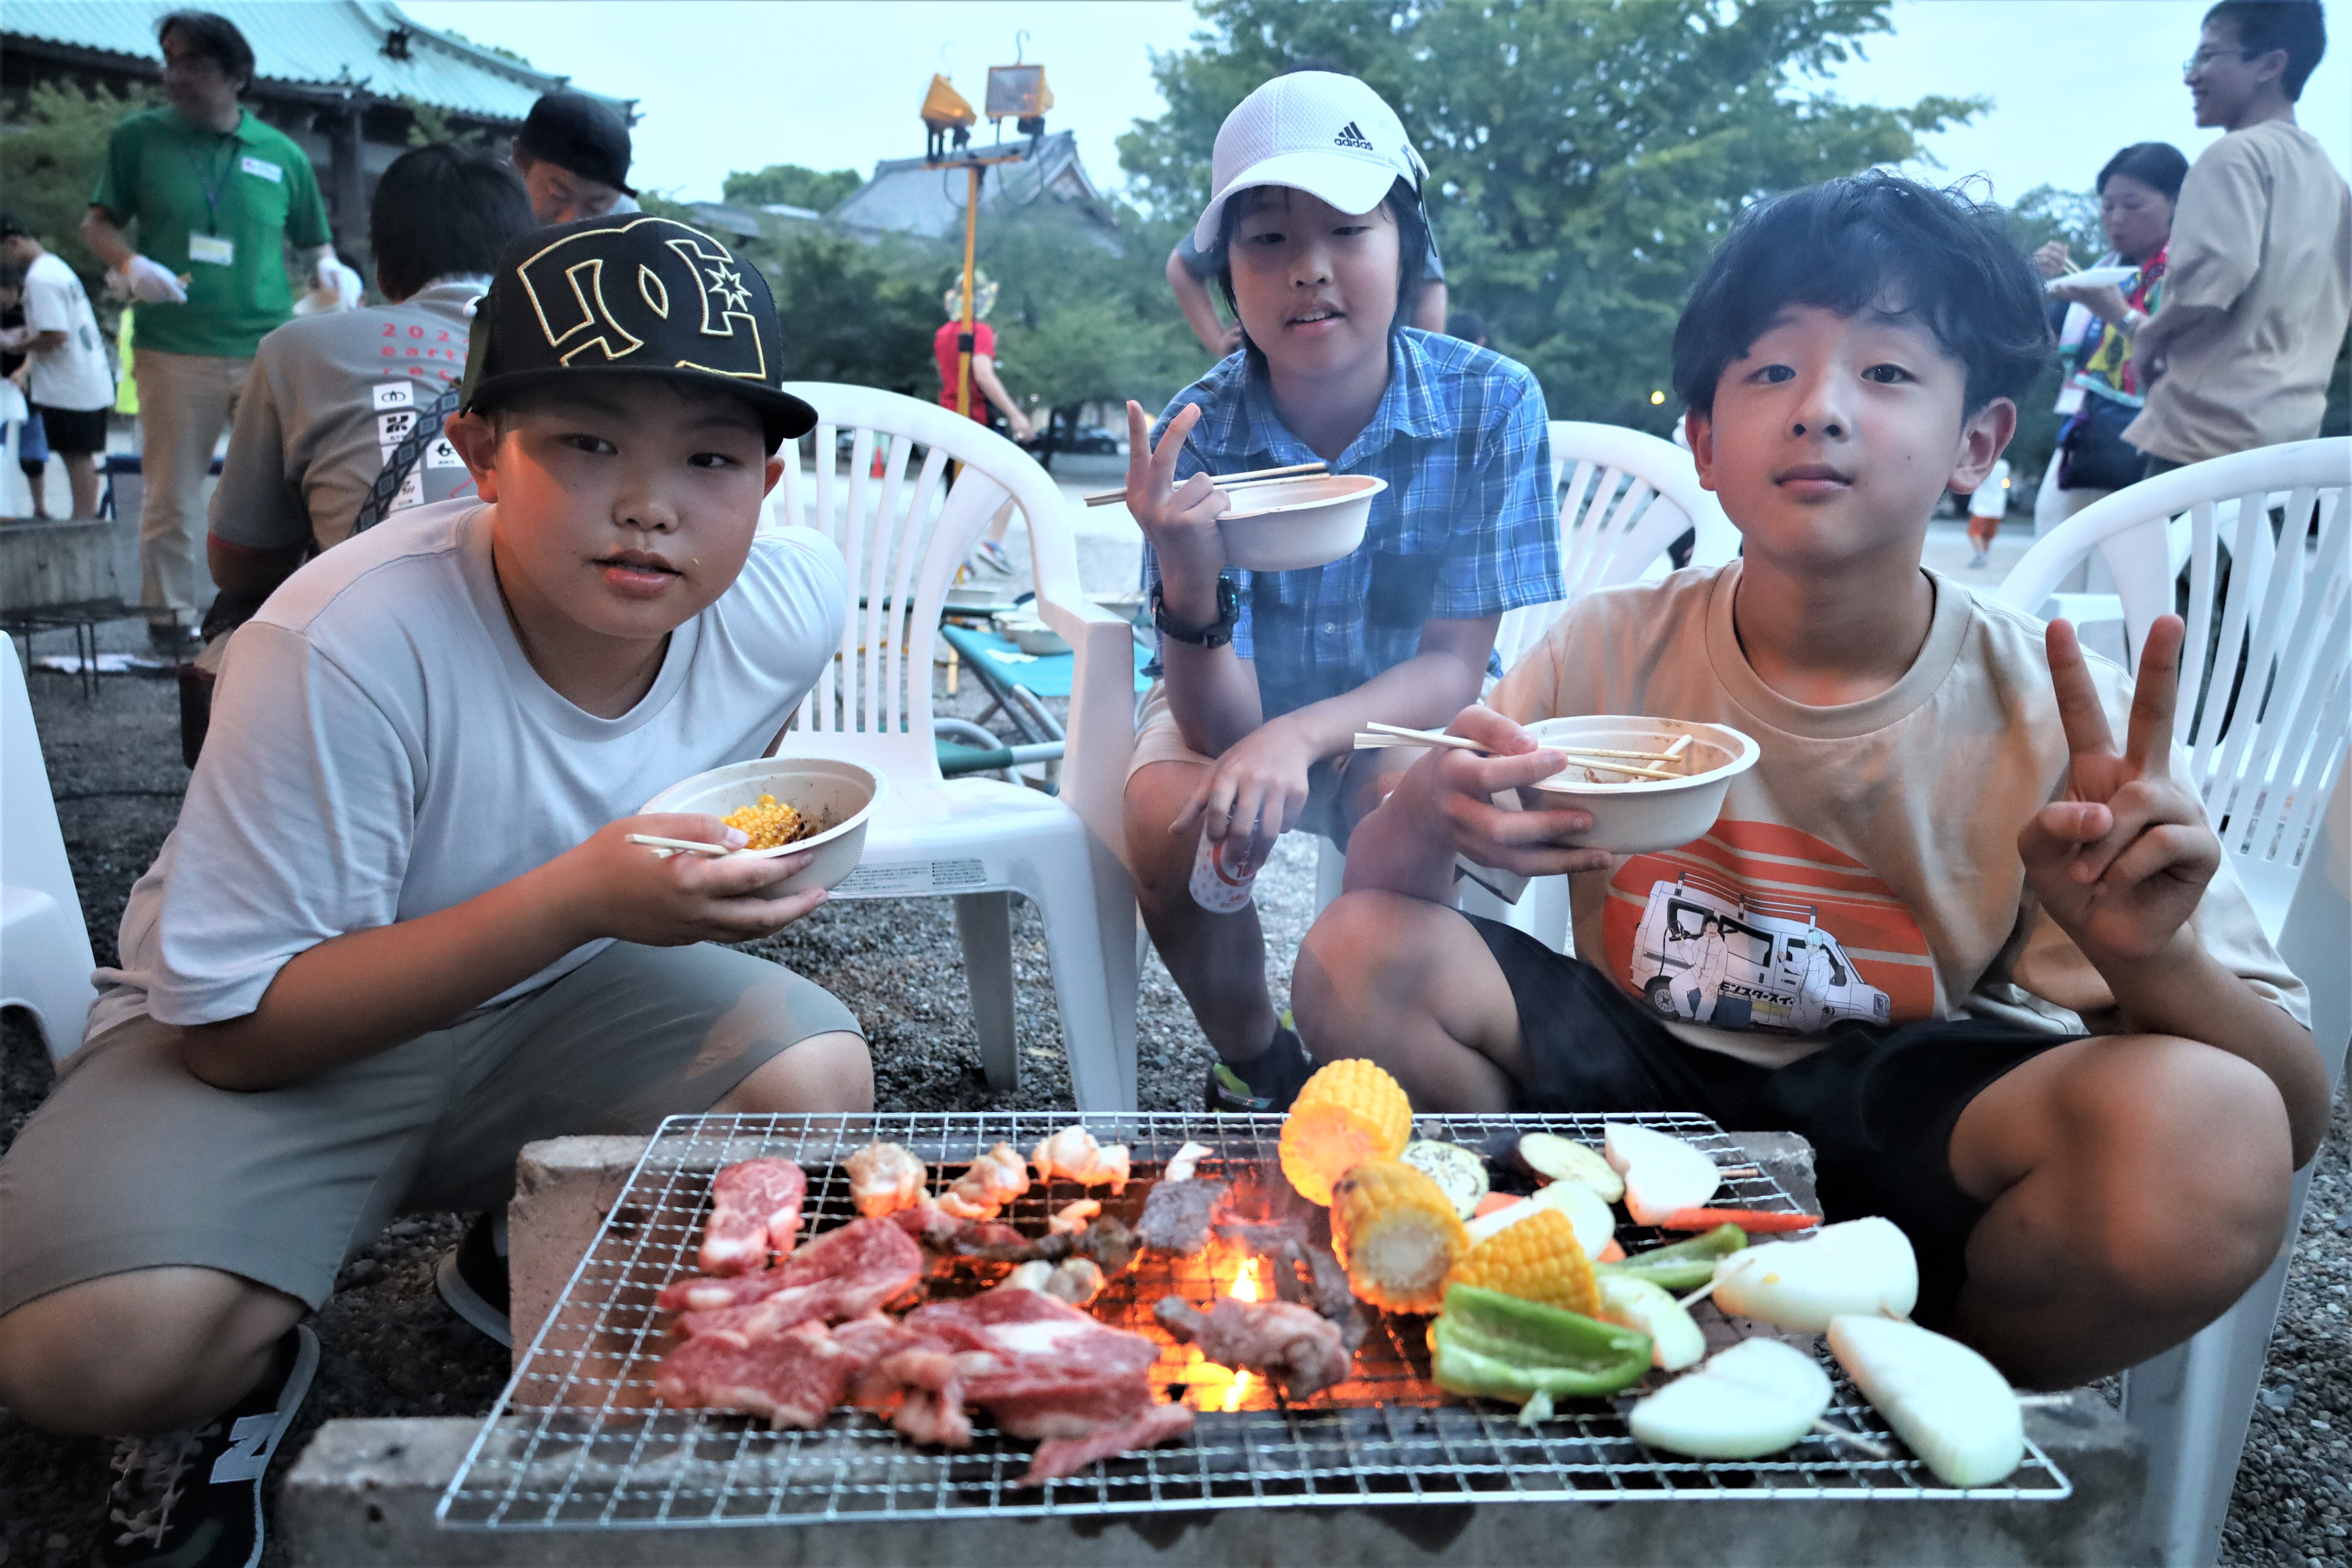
x=1217, y=634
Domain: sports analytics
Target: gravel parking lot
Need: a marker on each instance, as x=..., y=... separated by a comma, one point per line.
x=391, y=1348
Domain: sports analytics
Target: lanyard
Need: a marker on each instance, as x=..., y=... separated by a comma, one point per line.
x=213, y=189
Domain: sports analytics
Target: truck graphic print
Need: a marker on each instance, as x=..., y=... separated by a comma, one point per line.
x=1708, y=951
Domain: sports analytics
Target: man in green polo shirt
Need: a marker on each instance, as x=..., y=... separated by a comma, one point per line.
x=216, y=195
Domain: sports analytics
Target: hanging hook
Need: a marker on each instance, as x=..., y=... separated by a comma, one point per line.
x=1020, y=43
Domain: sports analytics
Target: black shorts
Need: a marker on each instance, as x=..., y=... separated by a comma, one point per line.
x=80, y=431
x=1878, y=1103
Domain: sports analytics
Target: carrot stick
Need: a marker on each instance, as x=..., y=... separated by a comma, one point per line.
x=1493, y=1201
x=1613, y=1253
x=1746, y=1219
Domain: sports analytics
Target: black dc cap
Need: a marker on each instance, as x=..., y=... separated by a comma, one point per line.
x=584, y=134
x=630, y=293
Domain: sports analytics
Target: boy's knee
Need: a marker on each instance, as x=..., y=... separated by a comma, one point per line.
x=1358, y=948
x=823, y=1074
x=139, y=1351
x=2188, y=1170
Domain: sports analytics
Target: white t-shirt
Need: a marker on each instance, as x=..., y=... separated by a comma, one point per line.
x=1992, y=498
x=381, y=750
x=73, y=374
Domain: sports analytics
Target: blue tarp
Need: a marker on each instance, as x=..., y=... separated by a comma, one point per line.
x=1047, y=675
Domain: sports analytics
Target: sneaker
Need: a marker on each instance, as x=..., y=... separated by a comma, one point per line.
x=1976, y=563
x=473, y=1277
x=990, y=555
x=1276, y=1077
x=192, y=1498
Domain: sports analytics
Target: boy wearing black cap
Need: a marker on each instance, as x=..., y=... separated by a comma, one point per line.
x=572, y=153
x=399, y=930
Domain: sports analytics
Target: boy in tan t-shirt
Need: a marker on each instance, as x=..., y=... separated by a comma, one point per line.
x=1991, y=966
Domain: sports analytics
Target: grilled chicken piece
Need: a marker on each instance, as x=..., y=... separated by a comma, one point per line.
x=884, y=1179
x=992, y=1180
x=1297, y=1349
x=1072, y=1216
x=1075, y=1156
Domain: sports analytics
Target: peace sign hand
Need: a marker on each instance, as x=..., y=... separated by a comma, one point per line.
x=2121, y=861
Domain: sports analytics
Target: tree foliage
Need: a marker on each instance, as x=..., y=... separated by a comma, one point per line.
x=49, y=162
x=1584, y=157
x=793, y=185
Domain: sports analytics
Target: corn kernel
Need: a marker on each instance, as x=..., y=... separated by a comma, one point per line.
x=768, y=825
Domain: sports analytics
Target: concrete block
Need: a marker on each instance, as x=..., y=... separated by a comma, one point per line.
x=67, y=562
x=563, y=1189
x=362, y=1495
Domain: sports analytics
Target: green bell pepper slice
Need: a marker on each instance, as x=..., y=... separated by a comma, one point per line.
x=1501, y=1347
x=1685, y=1265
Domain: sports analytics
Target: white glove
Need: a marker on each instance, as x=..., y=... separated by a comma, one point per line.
x=333, y=286
x=150, y=282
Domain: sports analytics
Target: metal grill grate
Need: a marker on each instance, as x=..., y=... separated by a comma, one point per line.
x=578, y=1440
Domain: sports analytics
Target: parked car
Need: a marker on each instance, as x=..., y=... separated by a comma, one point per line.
x=1095, y=438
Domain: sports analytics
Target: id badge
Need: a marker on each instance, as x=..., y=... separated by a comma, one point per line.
x=213, y=250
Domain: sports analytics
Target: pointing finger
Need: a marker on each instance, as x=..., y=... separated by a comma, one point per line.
x=2079, y=709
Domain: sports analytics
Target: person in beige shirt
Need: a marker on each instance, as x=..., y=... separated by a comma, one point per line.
x=1986, y=961
x=2260, y=282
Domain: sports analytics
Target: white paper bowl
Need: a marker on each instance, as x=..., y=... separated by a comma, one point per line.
x=1634, y=815
x=841, y=793
x=2092, y=277
x=1031, y=635
x=1299, y=523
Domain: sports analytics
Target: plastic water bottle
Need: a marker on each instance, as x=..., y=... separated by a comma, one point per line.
x=1222, y=875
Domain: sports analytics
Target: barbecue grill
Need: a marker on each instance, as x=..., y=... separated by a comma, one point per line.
x=578, y=1440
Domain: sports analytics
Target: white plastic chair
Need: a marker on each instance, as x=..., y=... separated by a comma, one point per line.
x=45, y=958
x=2271, y=767
x=1625, y=496
x=974, y=839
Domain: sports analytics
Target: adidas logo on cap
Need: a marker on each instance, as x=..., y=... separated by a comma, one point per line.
x=1352, y=138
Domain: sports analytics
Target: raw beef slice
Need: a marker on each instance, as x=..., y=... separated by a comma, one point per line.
x=755, y=1208
x=845, y=1273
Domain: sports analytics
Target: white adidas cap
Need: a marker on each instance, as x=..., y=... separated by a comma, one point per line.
x=1318, y=132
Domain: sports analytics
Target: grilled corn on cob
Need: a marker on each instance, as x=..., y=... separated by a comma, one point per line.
x=770, y=824
x=1537, y=1259
x=1397, y=1234
x=1348, y=1112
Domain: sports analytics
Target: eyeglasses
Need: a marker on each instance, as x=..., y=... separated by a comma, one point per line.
x=2206, y=57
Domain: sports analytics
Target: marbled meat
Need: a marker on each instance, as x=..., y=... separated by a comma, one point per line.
x=755, y=1209
x=845, y=1273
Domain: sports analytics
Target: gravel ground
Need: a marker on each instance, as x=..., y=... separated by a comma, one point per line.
x=390, y=1349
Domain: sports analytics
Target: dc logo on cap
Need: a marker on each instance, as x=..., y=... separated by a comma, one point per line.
x=614, y=290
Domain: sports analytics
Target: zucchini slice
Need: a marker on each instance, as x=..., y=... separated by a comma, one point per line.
x=1459, y=1173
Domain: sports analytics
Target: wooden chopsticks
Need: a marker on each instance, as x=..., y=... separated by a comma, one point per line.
x=679, y=846
x=1378, y=736
x=1229, y=481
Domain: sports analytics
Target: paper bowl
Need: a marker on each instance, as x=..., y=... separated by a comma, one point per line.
x=840, y=793
x=1031, y=635
x=2093, y=277
x=1299, y=523
x=1634, y=815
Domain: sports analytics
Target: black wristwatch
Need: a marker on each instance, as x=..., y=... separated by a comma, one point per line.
x=1217, y=633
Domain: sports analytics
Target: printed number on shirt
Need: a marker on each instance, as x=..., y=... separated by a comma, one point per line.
x=394, y=393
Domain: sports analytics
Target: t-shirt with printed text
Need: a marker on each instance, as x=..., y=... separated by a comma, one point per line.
x=1866, y=867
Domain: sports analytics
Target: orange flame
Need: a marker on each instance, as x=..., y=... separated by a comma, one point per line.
x=1248, y=1286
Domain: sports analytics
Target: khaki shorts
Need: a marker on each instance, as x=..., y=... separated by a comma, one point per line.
x=133, y=1163
x=1159, y=740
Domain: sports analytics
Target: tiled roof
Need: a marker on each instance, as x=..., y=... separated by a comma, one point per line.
x=317, y=43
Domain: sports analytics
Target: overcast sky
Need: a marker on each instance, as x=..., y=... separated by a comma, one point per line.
x=727, y=85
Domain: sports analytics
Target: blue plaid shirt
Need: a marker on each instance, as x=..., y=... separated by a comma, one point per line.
x=1467, y=527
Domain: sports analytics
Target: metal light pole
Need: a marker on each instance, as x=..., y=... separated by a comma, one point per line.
x=1017, y=92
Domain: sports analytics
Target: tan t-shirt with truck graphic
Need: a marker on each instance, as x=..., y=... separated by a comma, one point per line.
x=1866, y=867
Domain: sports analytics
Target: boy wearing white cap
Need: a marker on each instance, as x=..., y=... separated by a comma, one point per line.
x=1317, y=231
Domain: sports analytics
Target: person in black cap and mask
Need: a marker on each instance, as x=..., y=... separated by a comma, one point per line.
x=400, y=930
x=573, y=155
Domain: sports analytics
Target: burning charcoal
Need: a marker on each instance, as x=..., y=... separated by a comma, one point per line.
x=1299, y=1351
x=1177, y=1215
x=1293, y=1251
